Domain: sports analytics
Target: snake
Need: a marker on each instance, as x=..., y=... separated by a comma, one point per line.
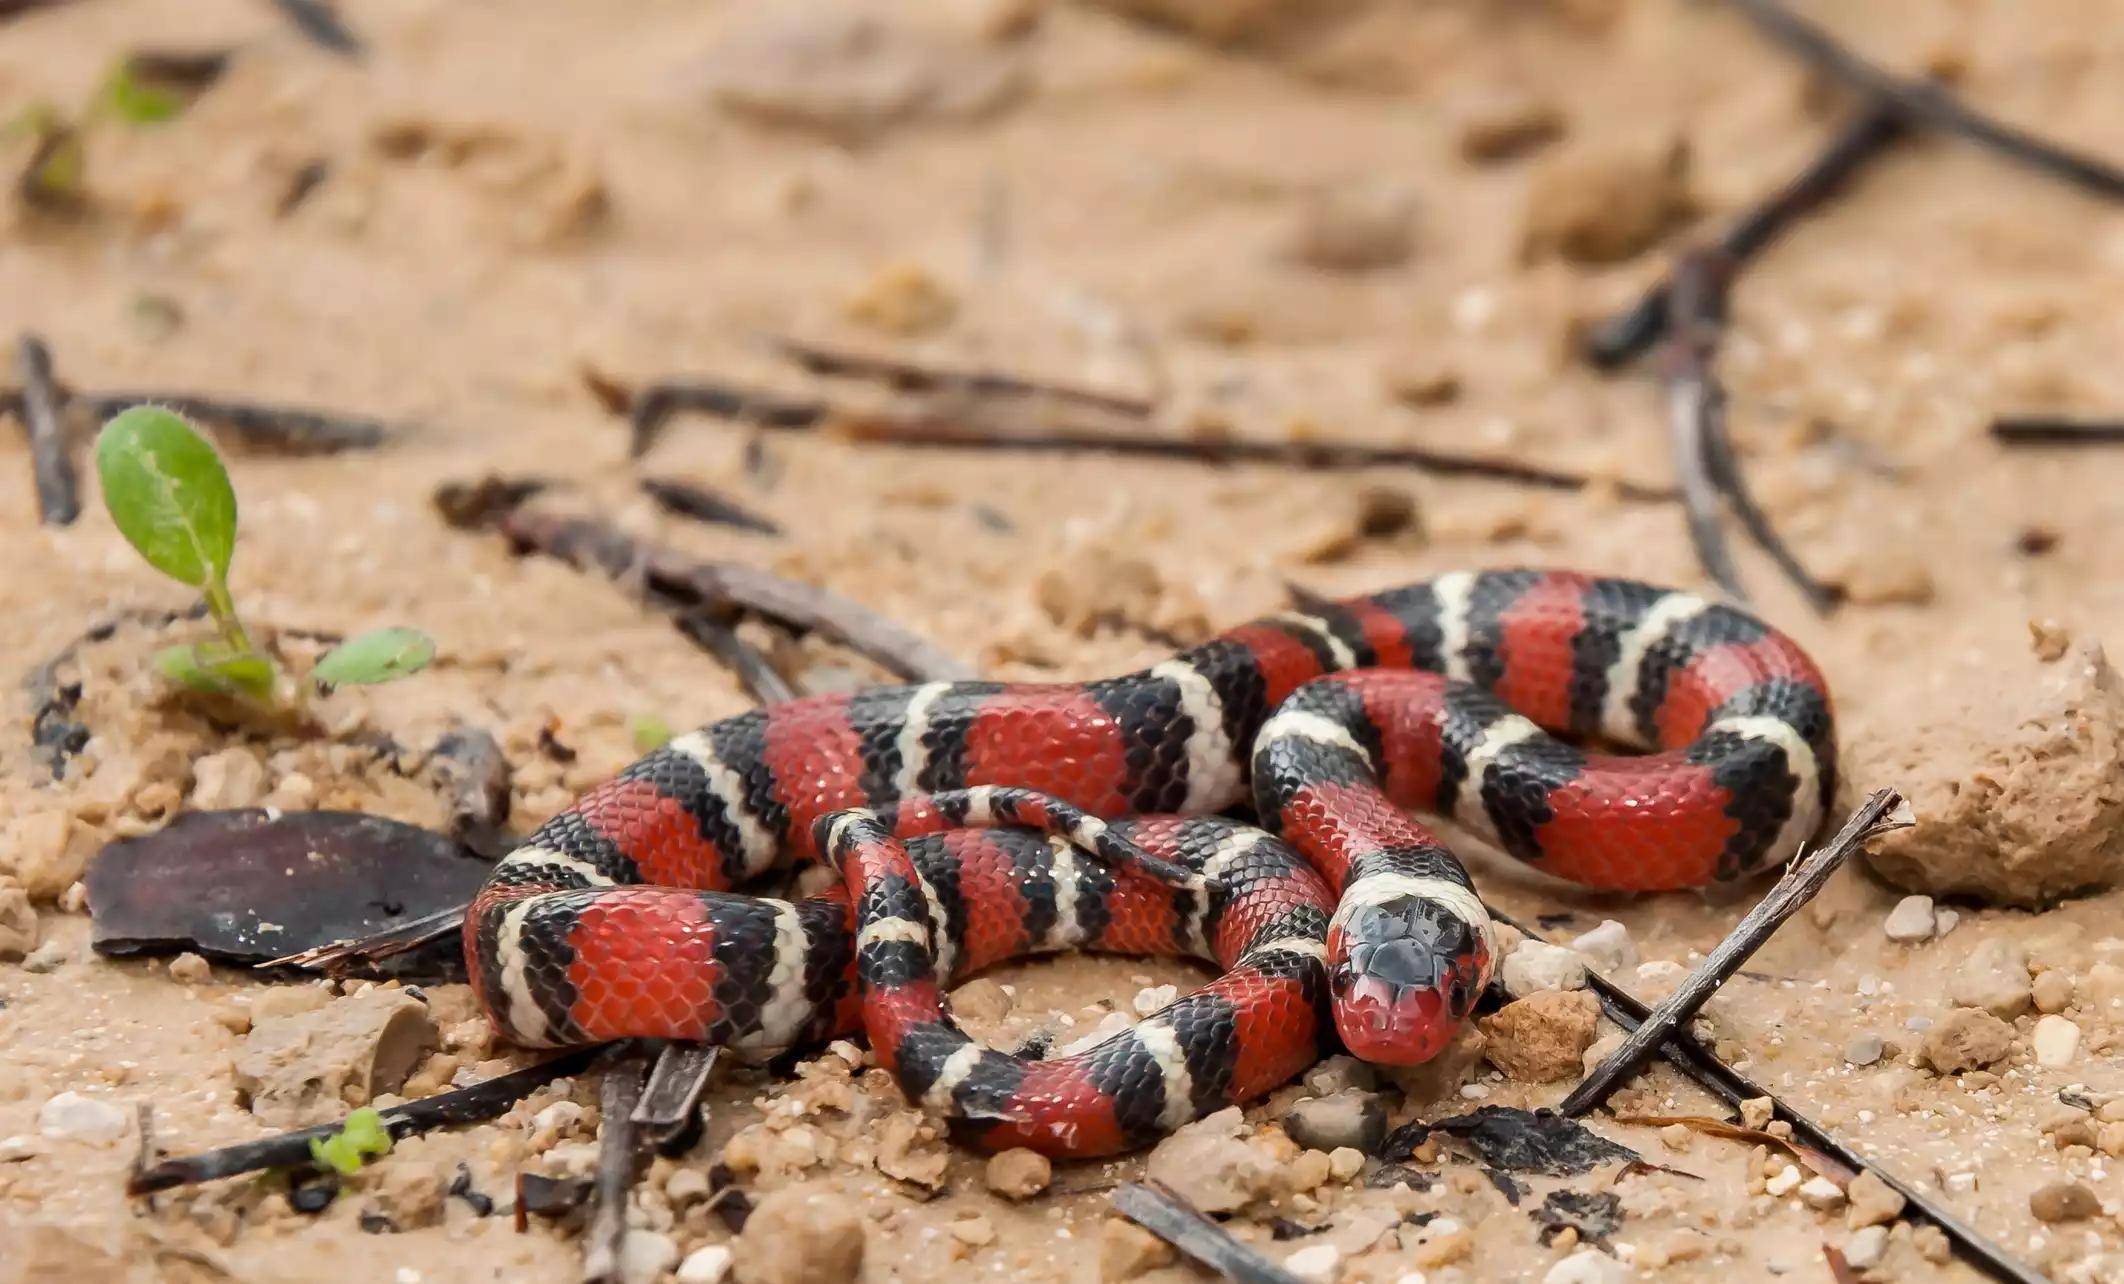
x=1612, y=733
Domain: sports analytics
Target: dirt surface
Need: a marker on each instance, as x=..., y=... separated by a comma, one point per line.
x=1381, y=222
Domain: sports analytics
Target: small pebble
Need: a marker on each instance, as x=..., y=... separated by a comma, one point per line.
x=1864, y=1049
x=1019, y=1173
x=1911, y=920
x=2052, y=991
x=190, y=969
x=1756, y=1112
x=1345, y=1162
x=2064, y=1201
x=1820, y=1192
x=1587, y=1266
x=1350, y=1118
x=73, y=1117
x=1153, y=998
x=48, y=957
x=1865, y=1247
x=1535, y=966
x=1608, y=947
x=1783, y=1182
x=644, y=1255
x=17, y=1148
x=1873, y=1201
x=2056, y=1040
x=1314, y=1262
x=705, y=1265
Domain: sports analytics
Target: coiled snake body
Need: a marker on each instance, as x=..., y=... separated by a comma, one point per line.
x=970, y=822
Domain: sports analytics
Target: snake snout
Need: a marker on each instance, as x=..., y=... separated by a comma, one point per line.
x=1405, y=975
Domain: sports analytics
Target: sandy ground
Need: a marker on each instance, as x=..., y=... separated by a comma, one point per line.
x=517, y=192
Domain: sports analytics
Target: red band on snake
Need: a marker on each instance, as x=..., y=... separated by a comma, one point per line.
x=1467, y=697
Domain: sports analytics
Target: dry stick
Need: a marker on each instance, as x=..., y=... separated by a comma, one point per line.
x=717, y=636
x=43, y=407
x=1158, y=1209
x=1882, y=813
x=1700, y=1065
x=655, y=405
x=479, y=1102
x=1925, y=104
x=685, y=499
x=1627, y=334
x=289, y=428
x=619, y=1162
x=323, y=25
x=1704, y=460
x=674, y=1090
x=910, y=376
x=2053, y=430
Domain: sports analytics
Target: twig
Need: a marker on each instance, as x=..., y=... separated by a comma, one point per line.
x=1925, y=104
x=704, y=505
x=1704, y=460
x=289, y=428
x=1628, y=333
x=910, y=376
x=323, y=25
x=2055, y=430
x=472, y=773
x=1156, y=1208
x=44, y=414
x=1882, y=813
x=1700, y=1065
x=655, y=406
x=673, y=1094
x=715, y=635
x=619, y=1162
x=683, y=585
x=479, y=1102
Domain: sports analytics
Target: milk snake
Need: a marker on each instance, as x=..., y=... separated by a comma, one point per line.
x=612, y=920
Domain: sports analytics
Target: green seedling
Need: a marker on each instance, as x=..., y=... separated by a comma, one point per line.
x=169, y=495
x=650, y=732
x=136, y=100
x=359, y=1140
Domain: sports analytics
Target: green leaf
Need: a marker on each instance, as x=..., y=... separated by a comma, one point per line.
x=136, y=101
x=168, y=494
x=650, y=732
x=216, y=670
x=362, y=1137
x=383, y=656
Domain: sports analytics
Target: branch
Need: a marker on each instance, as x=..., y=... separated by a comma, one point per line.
x=43, y=408
x=1882, y=813
x=2055, y=430
x=1157, y=1209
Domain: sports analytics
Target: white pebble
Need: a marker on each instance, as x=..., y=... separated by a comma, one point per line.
x=1864, y=1049
x=2057, y=1041
x=644, y=1255
x=1608, y=947
x=1474, y=1091
x=17, y=1148
x=73, y=1117
x=1863, y=1250
x=1961, y=1183
x=1912, y=919
x=705, y=1265
x=1944, y=921
x=1315, y=1262
x=1535, y=967
x=1151, y=999
x=1783, y=1182
x=1587, y=1266
x=1820, y=1192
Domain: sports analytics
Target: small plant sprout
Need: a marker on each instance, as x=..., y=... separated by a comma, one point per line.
x=650, y=732
x=170, y=497
x=361, y=1138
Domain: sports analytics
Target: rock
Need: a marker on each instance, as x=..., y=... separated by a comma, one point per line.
x=1353, y=1118
x=908, y=1151
x=976, y=1232
x=1154, y=998
x=1503, y=124
x=1864, y=1049
x=1309, y=1171
x=1966, y=1039
x=1340, y=1073
x=1994, y=977
x=1320, y=1262
x=1354, y=229
x=686, y=1186
x=1603, y=204
x=1019, y=1173
x=2056, y=1040
x=982, y=999
x=848, y=72
x=410, y=1191
x=37, y=849
x=1757, y=1112
x=705, y=1265
x=309, y=1067
x=1911, y=920
x=1209, y=1164
x=2064, y=1201
x=48, y=957
x=1602, y=1048
x=2012, y=780
x=1126, y=1250
x=1542, y=1038
x=1873, y=1202
x=1607, y=947
x=803, y=1234
x=18, y=922
x=229, y=778
x=73, y=1117
x=1865, y=1247
x=1587, y=1266
x=1345, y=1162
x=644, y=1256
x=1820, y=1192
x=1534, y=967
x=2052, y=991
x=1782, y=1182
x=190, y=969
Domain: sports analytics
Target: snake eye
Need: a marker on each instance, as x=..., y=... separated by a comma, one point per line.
x=1344, y=976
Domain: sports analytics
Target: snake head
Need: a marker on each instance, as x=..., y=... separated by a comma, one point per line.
x=1405, y=973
